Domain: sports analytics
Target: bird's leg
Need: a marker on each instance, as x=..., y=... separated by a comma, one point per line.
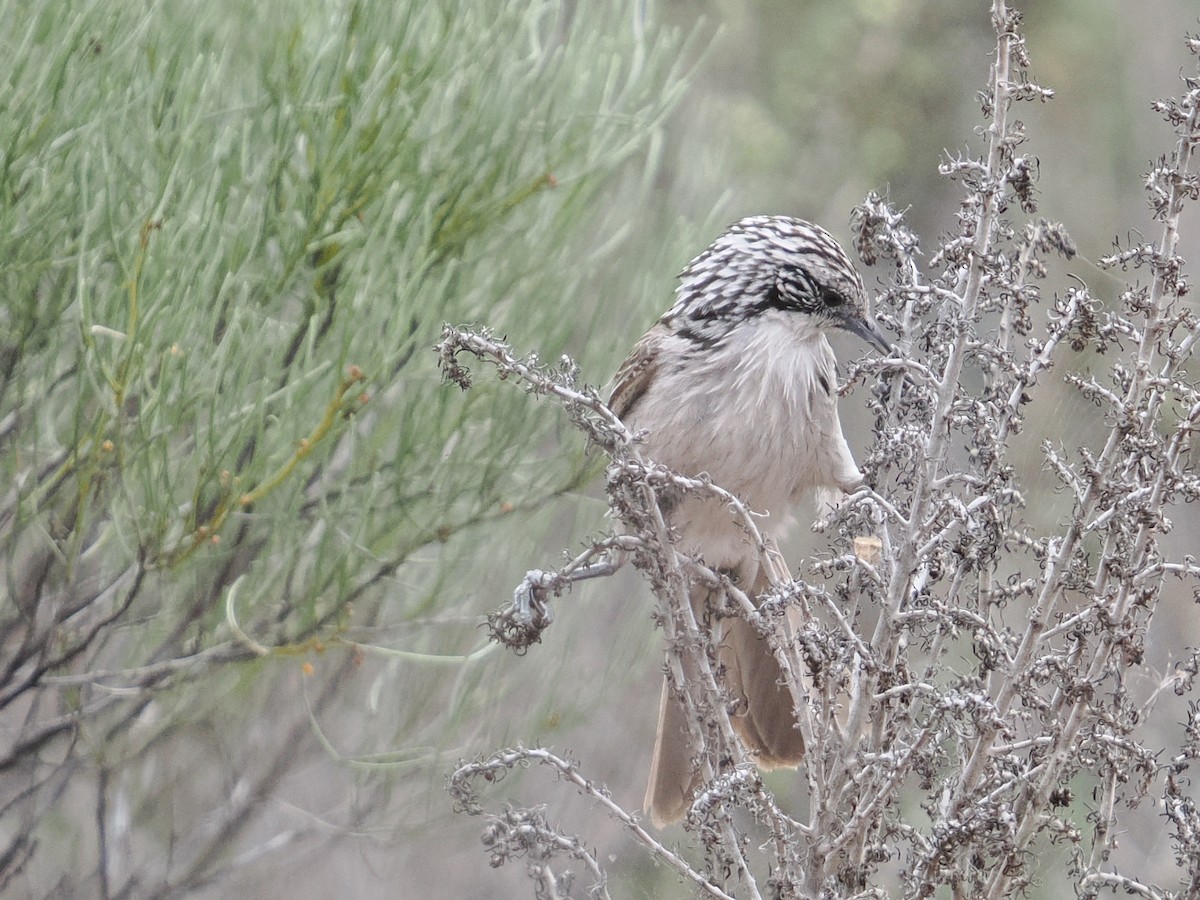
x=774, y=567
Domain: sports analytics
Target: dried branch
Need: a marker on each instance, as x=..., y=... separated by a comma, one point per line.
x=1051, y=620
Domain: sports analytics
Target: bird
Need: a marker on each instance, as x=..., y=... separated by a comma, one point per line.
x=737, y=381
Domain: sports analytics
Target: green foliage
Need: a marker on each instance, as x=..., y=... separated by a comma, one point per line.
x=229, y=236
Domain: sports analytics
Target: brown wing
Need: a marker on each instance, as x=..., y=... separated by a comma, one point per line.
x=765, y=718
x=637, y=372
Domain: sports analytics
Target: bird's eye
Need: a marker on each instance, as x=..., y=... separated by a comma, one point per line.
x=832, y=298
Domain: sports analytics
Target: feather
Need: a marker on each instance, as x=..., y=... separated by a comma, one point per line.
x=736, y=381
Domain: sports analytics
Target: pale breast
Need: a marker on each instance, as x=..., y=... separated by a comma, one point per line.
x=759, y=415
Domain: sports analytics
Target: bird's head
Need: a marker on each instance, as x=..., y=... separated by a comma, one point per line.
x=772, y=263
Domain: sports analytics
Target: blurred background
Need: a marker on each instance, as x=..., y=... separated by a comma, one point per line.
x=745, y=106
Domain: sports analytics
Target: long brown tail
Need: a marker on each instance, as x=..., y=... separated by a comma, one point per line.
x=765, y=721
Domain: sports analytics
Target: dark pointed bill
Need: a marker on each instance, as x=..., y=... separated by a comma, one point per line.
x=865, y=329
